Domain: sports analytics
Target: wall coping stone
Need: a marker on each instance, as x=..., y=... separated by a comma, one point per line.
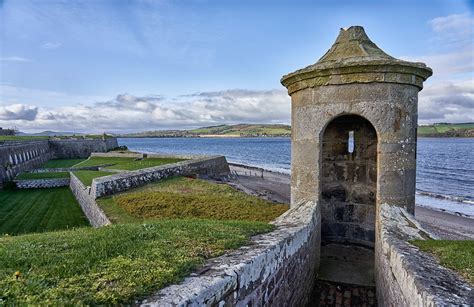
x=89, y=206
x=41, y=183
x=422, y=280
x=120, y=182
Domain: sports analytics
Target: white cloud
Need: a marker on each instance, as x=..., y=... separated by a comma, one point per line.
x=51, y=45
x=448, y=95
x=453, y=36
x=20, y=112
x=14, y=59
x=131, y=113
x=455, y=22
x=447, y=102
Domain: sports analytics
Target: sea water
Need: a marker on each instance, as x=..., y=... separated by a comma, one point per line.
x=445, y=166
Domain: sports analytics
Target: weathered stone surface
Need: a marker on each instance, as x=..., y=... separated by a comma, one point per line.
x=354, y=58
x=214, y=166
x=42, y=183
x=80, y=148
x=67, y=169
x=18, y=157
x=91, y=209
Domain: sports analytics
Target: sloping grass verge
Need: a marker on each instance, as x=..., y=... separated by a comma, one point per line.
x=97, y=161
x=54, y=175
x=61, y=163
x=147, y=162
x=86, y=177
x=125, y=163
x=113, y=264
x=36, y=210
x=456, y=255
x=182, y=197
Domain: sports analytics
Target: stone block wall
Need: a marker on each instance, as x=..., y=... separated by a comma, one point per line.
x=276, y=269
x=66, y=169
x=405, y=275
x=17, y=157
x=214, y=166
x=42, y=183
x=91, y=209
x=349, y=181
x=73, y=149
x=22, y=156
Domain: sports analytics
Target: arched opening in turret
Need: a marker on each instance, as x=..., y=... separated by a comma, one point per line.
x=348, y=200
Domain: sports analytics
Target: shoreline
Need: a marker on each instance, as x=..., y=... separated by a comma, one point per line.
x=438, y=209
x=233, y=136
x=275, y=186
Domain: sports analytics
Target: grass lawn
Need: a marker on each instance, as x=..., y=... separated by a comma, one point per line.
x=148, y=162
x=456, y=255
x=60, y=163
x=36, y=210
x=53, y=175
x=87, y=176
x=97, y=161
x=113, y=264
x=123, y=163
x=182, y=197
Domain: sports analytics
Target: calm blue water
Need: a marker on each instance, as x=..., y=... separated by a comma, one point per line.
x=445, y=167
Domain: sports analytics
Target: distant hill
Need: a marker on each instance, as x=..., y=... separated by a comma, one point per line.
x=241, y=130
x=263, y=130
x=48, y=133
x=447, y=130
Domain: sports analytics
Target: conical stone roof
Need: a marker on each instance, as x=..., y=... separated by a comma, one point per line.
x=354, y=58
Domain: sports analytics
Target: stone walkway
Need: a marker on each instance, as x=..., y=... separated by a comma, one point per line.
x=338, y=294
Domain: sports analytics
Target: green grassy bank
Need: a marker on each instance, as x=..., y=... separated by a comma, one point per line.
x=60, y=163
x=182, y=197
x=113, y=264
x=86, y=177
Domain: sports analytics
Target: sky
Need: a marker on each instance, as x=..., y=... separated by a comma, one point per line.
x=123, y=66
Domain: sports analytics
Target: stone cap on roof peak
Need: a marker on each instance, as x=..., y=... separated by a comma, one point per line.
x=354, y=58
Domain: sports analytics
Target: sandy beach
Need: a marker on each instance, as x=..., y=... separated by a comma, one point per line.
x=276, y=187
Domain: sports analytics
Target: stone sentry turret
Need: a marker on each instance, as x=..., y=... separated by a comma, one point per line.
x=354, y=124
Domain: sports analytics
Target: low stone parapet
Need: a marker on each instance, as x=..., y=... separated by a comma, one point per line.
x=67, y=169
x=42, y=183
x=113, y=154
x=91, y=209
x=275, y=269
x=214, y=166
x=407, y=276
